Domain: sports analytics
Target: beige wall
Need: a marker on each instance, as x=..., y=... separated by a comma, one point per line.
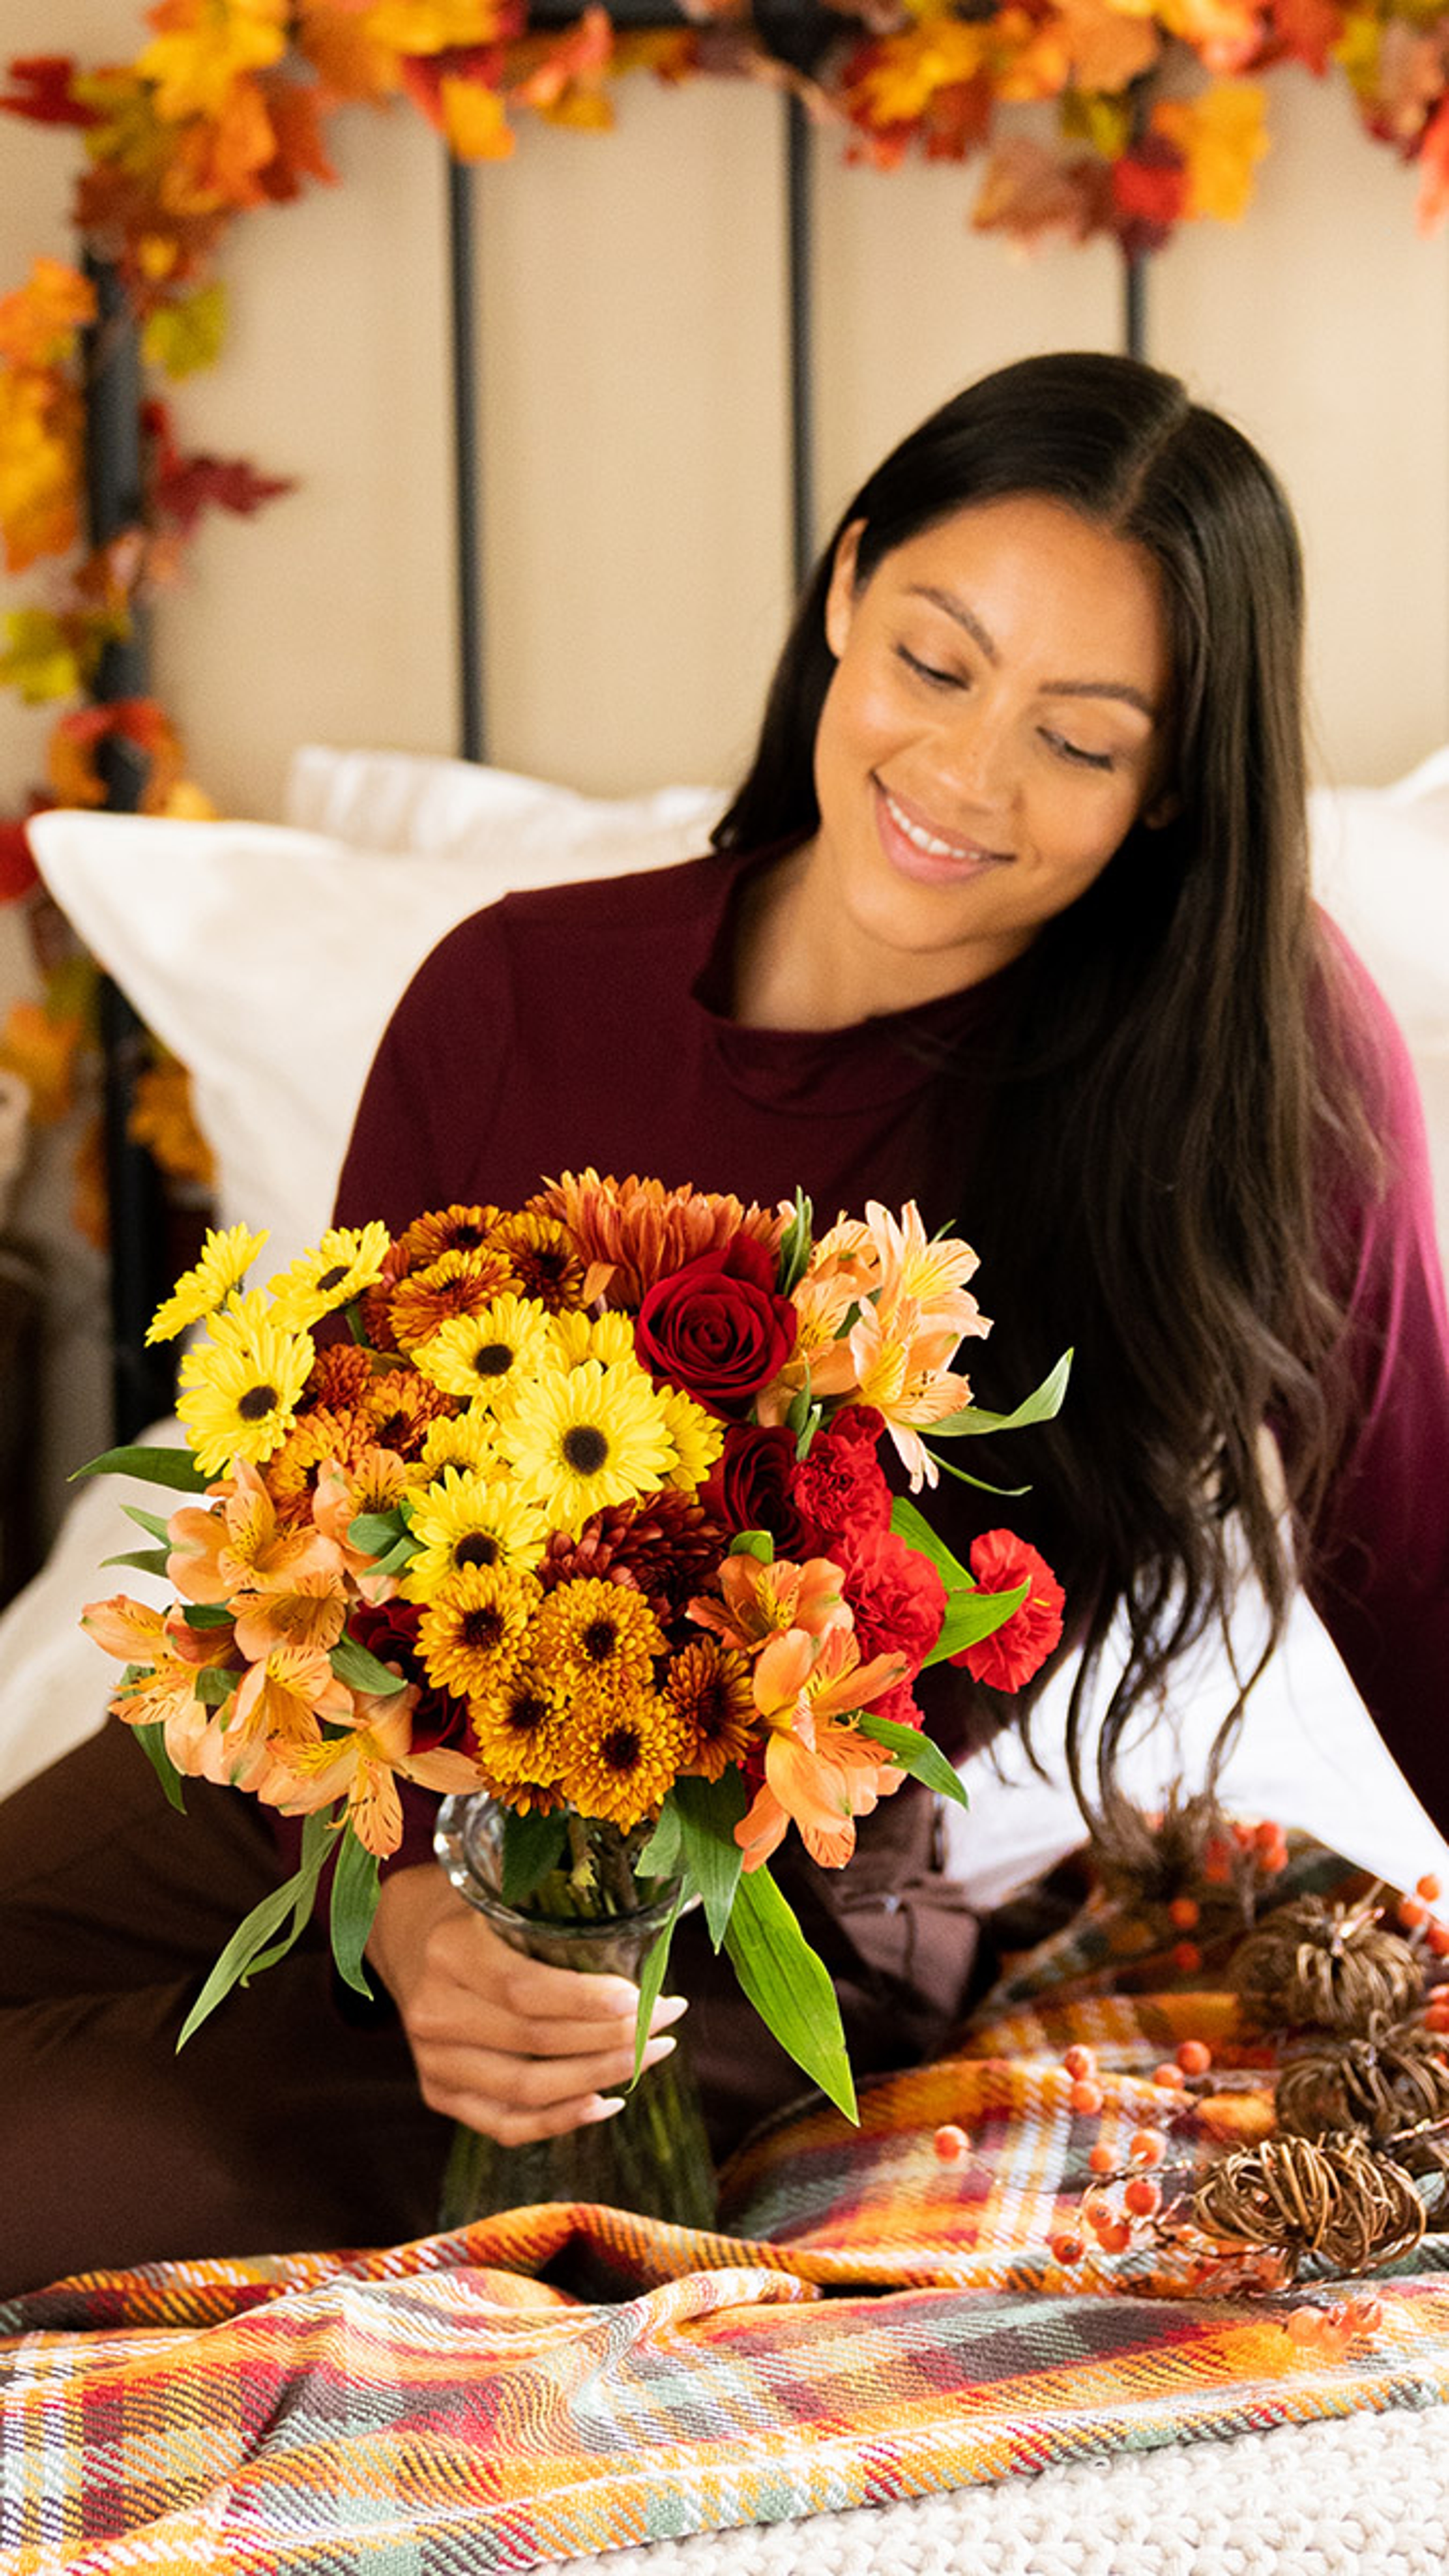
x=633, y=337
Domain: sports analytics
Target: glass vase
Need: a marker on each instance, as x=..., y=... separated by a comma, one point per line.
x=653, y=2156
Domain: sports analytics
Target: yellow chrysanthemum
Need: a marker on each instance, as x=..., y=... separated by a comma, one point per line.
x=543, y=1257
x=481, y=1357
x=622, y=1754
x=472, y=1519
x=450, y=1229
x=463, y=1441
x=519, y=1733
x=698, y=1438
x=472, y=1635
x=457, y=1283
x=347, y=1260
x=709, y=1684
x=204, y=1288
x=577, y=1337
x=587, y=1437
x=242, y=1385
x=589, y=1632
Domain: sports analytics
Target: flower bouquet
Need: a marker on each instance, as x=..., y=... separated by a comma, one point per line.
x=577, y=1511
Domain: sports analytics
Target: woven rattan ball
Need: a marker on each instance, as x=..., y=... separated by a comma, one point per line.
x=1334, y=1967
x=1300, y=2196
x=1388, y=2080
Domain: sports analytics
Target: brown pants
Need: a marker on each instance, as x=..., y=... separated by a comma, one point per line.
x=291, y=2122
x=282, y=2125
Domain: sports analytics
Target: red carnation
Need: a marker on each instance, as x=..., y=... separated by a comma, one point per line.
x=1000, y=1561
x=717, y=1327
x=840, y=1484
x=897, y=1595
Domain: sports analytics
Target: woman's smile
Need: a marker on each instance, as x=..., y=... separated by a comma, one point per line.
x=922, y=851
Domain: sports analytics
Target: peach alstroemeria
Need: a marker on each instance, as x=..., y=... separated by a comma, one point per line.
x=373, y=1483
x=309, y=1611
x=363, y=1766
x=820, y=1773
x=764, y=1601
x=900, y=1369
x=240, y=1543
x=283, y=1697
x=130, y=1630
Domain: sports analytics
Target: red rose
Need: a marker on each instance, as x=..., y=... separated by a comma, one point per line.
x=749, y=1487
x=897, y=1595
x=840, y=1484
x=716, y=1327
x=1009, y=1657
x=389, y=1630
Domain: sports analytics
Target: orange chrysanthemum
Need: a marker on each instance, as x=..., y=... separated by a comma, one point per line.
x=457, y=1283
x=450, y=1229
x=339, y=1378
x=710, y=1687
x=622, y=1754
x=400, y=1406
x=518, y=1734
x=292, y=1473
x=543, y=1259
x=635, y=1231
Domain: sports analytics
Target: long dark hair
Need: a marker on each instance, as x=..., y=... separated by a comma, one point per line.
x=1151, y=1186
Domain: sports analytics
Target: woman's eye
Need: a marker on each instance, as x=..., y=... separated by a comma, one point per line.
x=928, y=670
x=1075, y=751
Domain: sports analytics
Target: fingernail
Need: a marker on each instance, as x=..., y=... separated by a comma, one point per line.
x=668, y=2010
x=658, y=2048
x=604, y=2108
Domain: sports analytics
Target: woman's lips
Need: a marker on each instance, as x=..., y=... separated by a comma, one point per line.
x=931, y=857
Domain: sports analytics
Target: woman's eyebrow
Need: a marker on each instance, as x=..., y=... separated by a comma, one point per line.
x=964, y=617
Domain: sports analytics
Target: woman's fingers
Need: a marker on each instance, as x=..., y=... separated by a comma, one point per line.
x=514, y=2101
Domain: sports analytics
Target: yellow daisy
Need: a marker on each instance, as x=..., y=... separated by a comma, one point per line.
x=242, y=1385
x=622, y=1754
x=586, y=1437
x=590, y=1631
x=472, y=1634
x=576, y=1337
x=202, y=1289
x=471, y=1519
x=463, y=1441
x=482, y=1356
x=698, y=1437
x=347, y=1260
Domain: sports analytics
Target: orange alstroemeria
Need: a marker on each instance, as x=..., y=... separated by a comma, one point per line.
x=238, y=1546
x=373, y=1483
x=364, y=1765
x=308, y=1611
x=281, y=1699
x=820, y=1773
x=900, y=1369
x=765, y=1601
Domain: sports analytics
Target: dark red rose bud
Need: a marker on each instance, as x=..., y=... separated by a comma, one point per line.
x=716, y=1328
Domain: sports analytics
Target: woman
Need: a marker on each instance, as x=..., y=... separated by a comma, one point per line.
x=1010, y=915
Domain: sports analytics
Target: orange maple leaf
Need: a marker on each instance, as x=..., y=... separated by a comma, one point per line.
x=1031, y=193
x=39, y=321
x=296, y=110
x=1433, y=157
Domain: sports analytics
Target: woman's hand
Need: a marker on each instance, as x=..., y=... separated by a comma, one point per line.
x=508, y=2045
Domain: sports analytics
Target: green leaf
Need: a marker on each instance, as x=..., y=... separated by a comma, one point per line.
x=318, y=1835
x=213, y=1687
x=152, y=1740
x=788, y=1986
x=532, y=1846
x=240, y=1959
x=753, y=1543
x=174, y=1467
x=807, y=1430
x=1039, y=1406
x=661, y=1855
x=795, y=1246
x=361, y=1671
x=146, y=1560
x=354, y=1903
x=708, y=1812
x=148, y=1521
x=378, y=1533
x=651, y=1985
x=1008, y=1493
x=970, y=1616
x=206, y=1614
x=914, y=1752
x=917, y=1532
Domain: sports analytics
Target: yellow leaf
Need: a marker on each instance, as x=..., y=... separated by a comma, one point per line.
x=42, y=1051
x=475, y=121
x=1105, y=46
x=40, y=659
x=39, y=321
x=187, y=336
x=203, y=46
x=1222, y=137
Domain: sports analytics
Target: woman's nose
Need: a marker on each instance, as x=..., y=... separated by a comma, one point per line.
x=977, y=757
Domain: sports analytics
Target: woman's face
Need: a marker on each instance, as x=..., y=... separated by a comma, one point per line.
x=994, y=726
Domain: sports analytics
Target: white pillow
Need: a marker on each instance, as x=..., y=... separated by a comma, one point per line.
x=270, y=959
x=538, y=833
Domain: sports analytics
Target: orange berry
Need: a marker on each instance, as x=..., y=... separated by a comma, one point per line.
x=1187, y=1958
x=1146, y=2148
x=1436, y=1940
x=1267, y=1836
x=1437, y=2017
x=1272, y=1861
x=1171, y=2076
x=1068, y=2249
x=1194, y=2057
x=1428, y=1887
x=1185, y=1912
x=1142, y=2196
x=951, y=2143
x=1304, y=2326
x=1366, y=2315
x=1114, y=2236
x=1244, y=1835
x=1080, y=2061
x=1217, y=1867
x=1102, y=2160
x=1411, y=1913
x=1086, y=2098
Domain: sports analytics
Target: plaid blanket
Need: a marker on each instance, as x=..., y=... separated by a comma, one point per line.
x=876, y=2324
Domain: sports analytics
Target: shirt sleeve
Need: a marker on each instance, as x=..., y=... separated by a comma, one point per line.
x=1378, y=1572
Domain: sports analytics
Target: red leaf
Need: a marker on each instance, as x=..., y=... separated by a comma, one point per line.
x=185, y=486
x=18, y=871
x=43, y=91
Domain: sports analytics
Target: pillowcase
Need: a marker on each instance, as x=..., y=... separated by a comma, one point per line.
x=270, y=959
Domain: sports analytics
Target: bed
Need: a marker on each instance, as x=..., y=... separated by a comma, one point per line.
x=872, y=2367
